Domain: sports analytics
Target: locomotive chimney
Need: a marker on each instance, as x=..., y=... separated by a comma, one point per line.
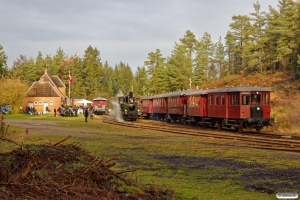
x=130, y=94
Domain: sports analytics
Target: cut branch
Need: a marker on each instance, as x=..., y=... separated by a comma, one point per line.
x=61, y=141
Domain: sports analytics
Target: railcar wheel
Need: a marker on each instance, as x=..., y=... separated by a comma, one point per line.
x=240, y=129
x=218, y=126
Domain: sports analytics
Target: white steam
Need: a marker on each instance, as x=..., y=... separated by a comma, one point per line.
x=115, y=113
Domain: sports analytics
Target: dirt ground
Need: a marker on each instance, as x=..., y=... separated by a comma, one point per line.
x=43, y=126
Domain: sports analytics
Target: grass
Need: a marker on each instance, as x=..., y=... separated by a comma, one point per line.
x=194, y=168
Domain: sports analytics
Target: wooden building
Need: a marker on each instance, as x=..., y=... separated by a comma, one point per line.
x=46, y=94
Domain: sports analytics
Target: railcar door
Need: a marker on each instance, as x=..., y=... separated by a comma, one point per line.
x=245, y=105
x=234, y=105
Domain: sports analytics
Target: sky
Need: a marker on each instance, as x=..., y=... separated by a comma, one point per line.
x=122, y=30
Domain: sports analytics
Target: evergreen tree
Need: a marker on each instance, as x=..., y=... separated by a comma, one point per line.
x=189, y=41
x=57, y=62
x=219, y=59
x=40, y=65
x=178, y=69
x=256, y=49
x=92, y=71
x=154, y=63
x=230, y=51
x=239, y=31
x=204, y=71
x=141, y=80
x=3, y=62
x=289, y=33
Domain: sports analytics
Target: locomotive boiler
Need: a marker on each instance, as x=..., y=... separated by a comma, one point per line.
x=129, y=107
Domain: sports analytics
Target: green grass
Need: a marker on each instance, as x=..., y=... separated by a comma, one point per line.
x=195, y=168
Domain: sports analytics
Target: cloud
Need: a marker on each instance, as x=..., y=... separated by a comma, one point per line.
x=121, y=30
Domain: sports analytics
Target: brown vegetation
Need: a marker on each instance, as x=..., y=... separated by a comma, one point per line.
x=67, y=172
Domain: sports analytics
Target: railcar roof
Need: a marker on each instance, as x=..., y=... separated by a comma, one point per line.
x=171, y=94
x=208, y=91
x=99, y=99
x=243, y=89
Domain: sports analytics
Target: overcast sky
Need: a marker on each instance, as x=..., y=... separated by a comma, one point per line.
x=122, y=30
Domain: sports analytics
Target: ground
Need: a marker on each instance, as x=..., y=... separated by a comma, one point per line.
x=64, y=171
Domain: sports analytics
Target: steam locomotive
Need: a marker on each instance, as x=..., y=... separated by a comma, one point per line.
x=129, y=107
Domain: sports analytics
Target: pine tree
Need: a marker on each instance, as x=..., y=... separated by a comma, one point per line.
x=57, y=62
x=92, y=71
x=3, y=62
x=219, y=59
x=230, y=51
x=239, y=31
x=203, y=60
x=154, y=63
x=141, y=80
x=256, y=49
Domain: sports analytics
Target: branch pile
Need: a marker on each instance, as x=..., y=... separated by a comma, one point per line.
x=65, y=172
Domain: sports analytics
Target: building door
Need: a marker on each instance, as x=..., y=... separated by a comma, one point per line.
x=46, y=108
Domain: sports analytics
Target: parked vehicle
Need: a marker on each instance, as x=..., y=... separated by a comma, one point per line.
x=5, y=109
x=99, y=106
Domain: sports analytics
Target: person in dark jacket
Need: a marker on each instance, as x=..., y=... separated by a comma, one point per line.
x=86, y=113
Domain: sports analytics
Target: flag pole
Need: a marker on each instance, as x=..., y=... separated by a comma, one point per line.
x=70, y=80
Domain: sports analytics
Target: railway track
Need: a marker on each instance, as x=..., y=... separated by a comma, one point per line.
x=262, y=141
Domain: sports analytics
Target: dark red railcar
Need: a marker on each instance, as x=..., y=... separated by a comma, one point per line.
x=159, y=107
x=177, y=106
x=147, y=107
x=99, y=106
x=239, y=107
x=196, y=106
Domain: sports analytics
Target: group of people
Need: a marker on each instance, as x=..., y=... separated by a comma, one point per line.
x=73, y=111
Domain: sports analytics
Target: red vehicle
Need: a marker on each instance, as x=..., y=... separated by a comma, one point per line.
x=237, y=107
x=100, y=106
x=147, y=107
x=197, y=106
x=177, y=106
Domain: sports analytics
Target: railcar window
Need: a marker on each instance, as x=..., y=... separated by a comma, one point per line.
x=211, y=100
x=255, y=99
x=234, y=100
x=265, y=99
x=223, y=100
x=217, y=99
x=245, y=99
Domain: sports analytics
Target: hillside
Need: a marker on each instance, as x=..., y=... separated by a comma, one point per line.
x=284, y=98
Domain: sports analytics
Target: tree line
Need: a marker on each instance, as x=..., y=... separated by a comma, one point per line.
x=255, y=43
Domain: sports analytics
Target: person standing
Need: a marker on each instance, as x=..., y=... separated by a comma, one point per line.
x=55, y=112
x=91, y=114
x=86, y=113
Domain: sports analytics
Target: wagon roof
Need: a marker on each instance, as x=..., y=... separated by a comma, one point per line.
x=99, y=98
x=243, y=89
x=231, y=89
x=171, y=94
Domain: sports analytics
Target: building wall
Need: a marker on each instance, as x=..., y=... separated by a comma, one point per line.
x=40, y=103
